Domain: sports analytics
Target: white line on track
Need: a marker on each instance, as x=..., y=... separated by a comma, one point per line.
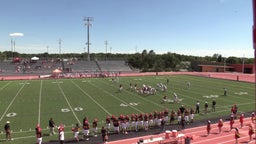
x=91, y=98
x=64, y=95
x=11, y=102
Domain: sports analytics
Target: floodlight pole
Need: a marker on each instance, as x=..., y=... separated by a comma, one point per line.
x=254, y=34
x=60, y=47
x=88, y=24
x=106, y=44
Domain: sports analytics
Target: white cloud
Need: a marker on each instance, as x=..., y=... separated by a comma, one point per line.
x=16, y=34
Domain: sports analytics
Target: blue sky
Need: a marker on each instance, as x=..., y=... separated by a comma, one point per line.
x=191, y=27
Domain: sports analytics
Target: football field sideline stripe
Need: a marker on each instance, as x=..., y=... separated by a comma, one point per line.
x=118, y=99
x=64, y=95
x=105, y=110
x=39, y=103
x=11, y=102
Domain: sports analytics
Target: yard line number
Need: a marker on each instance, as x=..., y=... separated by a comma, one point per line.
x=68, y=110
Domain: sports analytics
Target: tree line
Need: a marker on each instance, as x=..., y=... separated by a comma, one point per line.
x=144, y=61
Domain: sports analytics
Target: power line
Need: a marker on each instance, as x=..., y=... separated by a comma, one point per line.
x=88, y=24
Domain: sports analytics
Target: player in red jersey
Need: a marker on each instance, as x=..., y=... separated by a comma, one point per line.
x=76, y=130
x=39, y=134
x=237, y=135
x=86, y=128
x=172, y=117
x=95, y=126
x=241, y=120
x=116, y=125
x=253, y=117
x=231, y=122
x=251, y=131
x=127, y=122
x=208, y=128
x=151, y=121
x=220, y=125
x=146, y=122
x=108, y=124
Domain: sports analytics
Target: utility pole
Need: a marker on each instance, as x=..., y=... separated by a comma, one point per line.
x=88, y=24
x=106, y=44
x=60, y=47
x=243, y=64
x=12, y=49
x=110, y=49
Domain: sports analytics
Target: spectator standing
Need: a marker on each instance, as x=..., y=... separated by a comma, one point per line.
x=38, y=131
x=8, y=132
x=197, y=107
x=51, y=126
x=213, y=105
x=205, y=107
x=225, y=92
x=104, y=135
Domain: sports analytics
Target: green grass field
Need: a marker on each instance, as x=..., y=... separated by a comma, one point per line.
x=68, y=101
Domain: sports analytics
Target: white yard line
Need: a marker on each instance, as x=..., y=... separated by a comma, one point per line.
x=5, y=85
x=39, y=102
x=91, y=98
x=118, y=99
x=142, y=98
x=11, y=102
x=64, y=95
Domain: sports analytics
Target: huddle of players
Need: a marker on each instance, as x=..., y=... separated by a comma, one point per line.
x=137, y=122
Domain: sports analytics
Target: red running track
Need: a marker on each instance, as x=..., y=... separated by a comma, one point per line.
x=200, y=135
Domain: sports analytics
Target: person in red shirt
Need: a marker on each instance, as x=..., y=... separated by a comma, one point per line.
x=86, y=128
x=220, y=125
x=232, y=121
x=38, y=130
x=108, y=123
x=241, y=120
x=76, y=130
x=253, y=117
x=208, y=128
x=146, y=122
x=237, y=135
x=250, y=132
x=95, y=128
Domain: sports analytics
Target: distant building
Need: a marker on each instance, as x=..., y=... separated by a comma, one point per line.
x=242, y=68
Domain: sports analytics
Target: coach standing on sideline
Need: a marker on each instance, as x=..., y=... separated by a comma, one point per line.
x=51, y=126
x=7, y=129
x=197, y=107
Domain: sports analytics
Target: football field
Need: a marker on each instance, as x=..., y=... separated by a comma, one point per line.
x=26, y=103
